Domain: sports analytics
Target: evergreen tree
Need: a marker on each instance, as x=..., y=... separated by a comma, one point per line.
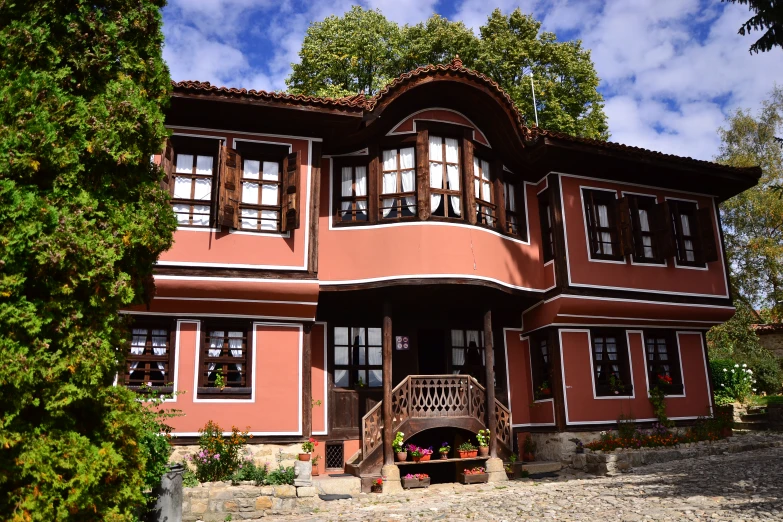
x=82, y=220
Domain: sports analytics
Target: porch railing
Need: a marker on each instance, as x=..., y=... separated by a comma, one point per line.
x=434, y=396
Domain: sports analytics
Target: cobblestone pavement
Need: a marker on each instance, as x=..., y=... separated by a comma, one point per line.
x=741, y=486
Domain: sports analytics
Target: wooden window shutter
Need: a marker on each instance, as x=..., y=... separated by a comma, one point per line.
x=662, y=229
x=709, y=250
x=500, y=195
x=289, y=220
x=636, y=227
x=230, y=187
x=167, y=167
x=467, y=178
x=624, y=229
x=423, y=173
x=374, y=177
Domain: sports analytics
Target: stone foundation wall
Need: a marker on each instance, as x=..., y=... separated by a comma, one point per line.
x=556, y=446
x=214, y=501
x=260, y=453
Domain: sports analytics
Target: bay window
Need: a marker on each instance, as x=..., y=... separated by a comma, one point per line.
x=483, y=188
x=353, y=194
x=444, y=161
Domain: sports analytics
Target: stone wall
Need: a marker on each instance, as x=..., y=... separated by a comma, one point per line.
x=214, y=501
x=772, y=342
x=261, y=454
x=556, y=446
x=775, y=416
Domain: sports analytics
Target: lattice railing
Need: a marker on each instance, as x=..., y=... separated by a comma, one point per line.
x=434, y=396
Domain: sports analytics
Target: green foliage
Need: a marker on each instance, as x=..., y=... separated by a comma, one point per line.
x=483, y=438
x=189, y=479
x=82, y=220
x=362, y=51
x=248, y=470
x=734, y=381
x=218, y=456
x=280, y=477
x=658, y=402
x=767, y=17
x=626, y=426
x=466, y=446
x=398, y=444
x=154, y=442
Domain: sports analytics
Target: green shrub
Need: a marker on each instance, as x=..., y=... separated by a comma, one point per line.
x=248, y=471
x=218, y=456
x=189, y=479
x=768, y=375
x=280, y=477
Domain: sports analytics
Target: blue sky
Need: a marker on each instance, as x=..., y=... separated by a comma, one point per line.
x=671, y=70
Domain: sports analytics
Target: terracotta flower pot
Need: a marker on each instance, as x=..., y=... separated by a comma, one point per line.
x=444, y=455
x=304, y=456
x=316, y=473
x=483, y=451
x=402, y=456
x=467, y=454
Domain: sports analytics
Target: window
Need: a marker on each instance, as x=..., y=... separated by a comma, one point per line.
x=600, y=210
x=225, y=364
x=398, y=184
x=467, y=352
x=547, y=226
x=611, y=371
x=260, y=206
x=445, y=194
x=663, y=361
x=151, y=359
x=514, y=219
x=685, y=233
x=541, y=366
x=642, y=219
x=358, y=357
x=485, y=209
x=353, y=194
x=192, y=188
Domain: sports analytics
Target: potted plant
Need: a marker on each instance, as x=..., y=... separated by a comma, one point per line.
x=377, y=486
x=444, y=450
x=308, y=447
x=477, y=475
x=419, y=480
x=543, y=391
x=580, y=447
x=483, y=441
x=419, y=454
x=529, y=449
x=616, y=385
x=509, y=469
x=315, y=465
x=467, y=450
x=399, y=447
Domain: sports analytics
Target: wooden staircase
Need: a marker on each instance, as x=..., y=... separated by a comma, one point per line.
x=422, y=402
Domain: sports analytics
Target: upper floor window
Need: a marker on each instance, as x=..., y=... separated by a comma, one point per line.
x=601, y=216
x=353, y=193
x=611, y=366
x=398, y=186
x=541, y=366
x=547, y=226
x=192, y=187
x=482, y=186
x=643, y=222
x=260, y=207
x=663, y=361
x=686, y=230
x=445, y=194
x=150, y=360
x=514, y=220
x=357, y=357
x=225, y=360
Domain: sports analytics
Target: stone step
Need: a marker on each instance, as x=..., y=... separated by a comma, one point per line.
x=751, y=417
x=752, y=426
x=541, y=467
x=757, y=409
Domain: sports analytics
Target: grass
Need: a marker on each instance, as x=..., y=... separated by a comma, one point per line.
x=772, y=399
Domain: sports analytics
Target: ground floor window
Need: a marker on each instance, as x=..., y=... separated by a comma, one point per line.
x=150, y=360
x=225, y=360
x=611, y=370
x=358, y=357
x=541, y=364
x=663, y=361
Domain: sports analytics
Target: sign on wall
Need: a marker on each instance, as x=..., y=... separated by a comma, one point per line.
x=402, y=342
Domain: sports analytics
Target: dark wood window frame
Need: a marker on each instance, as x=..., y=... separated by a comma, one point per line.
x=236, y=386
x=541, y=366
x=682, y=237
x=399, y=196
x=638, y=203
x=518, y=225
x=484, y=191
x=261, y=152
x=600, y=248
x=547, y=226
x=351, y=162
x=356, y=352
x=148, y=362
x=447, y=193
x=604, y=366
x=195, y=147
x=657, y=360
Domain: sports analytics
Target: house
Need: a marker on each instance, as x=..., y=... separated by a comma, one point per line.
x=423, y=261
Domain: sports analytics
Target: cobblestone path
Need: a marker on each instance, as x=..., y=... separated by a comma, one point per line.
x=740, y=486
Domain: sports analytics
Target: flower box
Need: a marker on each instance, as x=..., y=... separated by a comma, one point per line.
x=467, y=454
x=409, y=483
x=473, y=478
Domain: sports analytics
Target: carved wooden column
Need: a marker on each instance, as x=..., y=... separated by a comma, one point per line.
x=307, y=381
x=489, y=356
x=388, y=455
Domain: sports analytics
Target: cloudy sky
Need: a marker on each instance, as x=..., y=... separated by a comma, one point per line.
x=671, y=70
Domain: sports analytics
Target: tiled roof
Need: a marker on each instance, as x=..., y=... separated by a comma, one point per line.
x=360, y=103
x=767, y=328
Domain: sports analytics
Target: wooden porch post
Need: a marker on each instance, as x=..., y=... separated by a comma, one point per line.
x=307, y=382
x=388, y=455
x=490, y=367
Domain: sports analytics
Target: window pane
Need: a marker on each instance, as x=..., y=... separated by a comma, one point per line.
x=269, y=220
x=436, y=149
x=376, y=378
x=183, y=214
x=203, y=189
x=182, y=187
x=200, y=215
x=250, y=193
x=361, y=351
x=375, y=337
x=341, y=335
x=251, y=169
x=341, y=355
x=452, y=155
x=271, y=171
x=357, y=336
x=269, y=195
x=341, y=378
x=375, y=356
x=250, y=218
x=204, y=165
x=390, y=159
x=185, y=163
x=361, y=376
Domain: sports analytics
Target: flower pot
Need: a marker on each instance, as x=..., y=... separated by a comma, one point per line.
x=415, y=483
x=467, y=454
x=315, y=470
x=477, y=478
x=376, y=488
x=304, y=456
x=402, y=456
x=483, y=451
x=444, y=455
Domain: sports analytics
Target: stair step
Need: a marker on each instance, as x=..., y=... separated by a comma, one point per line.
x=750, y=417
x=757, y=409
x=753, y=425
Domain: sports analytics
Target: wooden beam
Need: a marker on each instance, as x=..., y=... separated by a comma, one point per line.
x=315, y=207
x=388, y=455
x=307, y=381
x=489, y=357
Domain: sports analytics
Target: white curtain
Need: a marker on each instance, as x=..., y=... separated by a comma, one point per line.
x=201, y=215
x=644, y=225
x=341, y=356
x=159, y=346
x=361, y=188
x=457, y=349
x=452, y=171
x=204, y=165
x=182, y=187
x=357, y=339
x=185, y=163
x=138, y=341
x=686, y=231
x=511, y=205
x=183, y=214
x=436, y=170
x=389, y=179
x=215, y=347
x=408, y=176
x=235, y=345
x=251, y=169
x=347, y=187
x=375, y=356
x=606, y=238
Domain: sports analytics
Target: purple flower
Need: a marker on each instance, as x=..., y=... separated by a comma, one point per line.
x=217, y=456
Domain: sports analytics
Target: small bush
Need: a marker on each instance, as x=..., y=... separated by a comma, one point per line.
x=189, y=479
x=249, y=471
x=218, y=457
x=281, y=477
x=768, y=375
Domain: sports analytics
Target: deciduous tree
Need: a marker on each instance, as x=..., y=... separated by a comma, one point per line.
x=82, y=220
x=767, y=17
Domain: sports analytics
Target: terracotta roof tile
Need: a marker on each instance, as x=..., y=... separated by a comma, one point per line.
x=767, y=328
